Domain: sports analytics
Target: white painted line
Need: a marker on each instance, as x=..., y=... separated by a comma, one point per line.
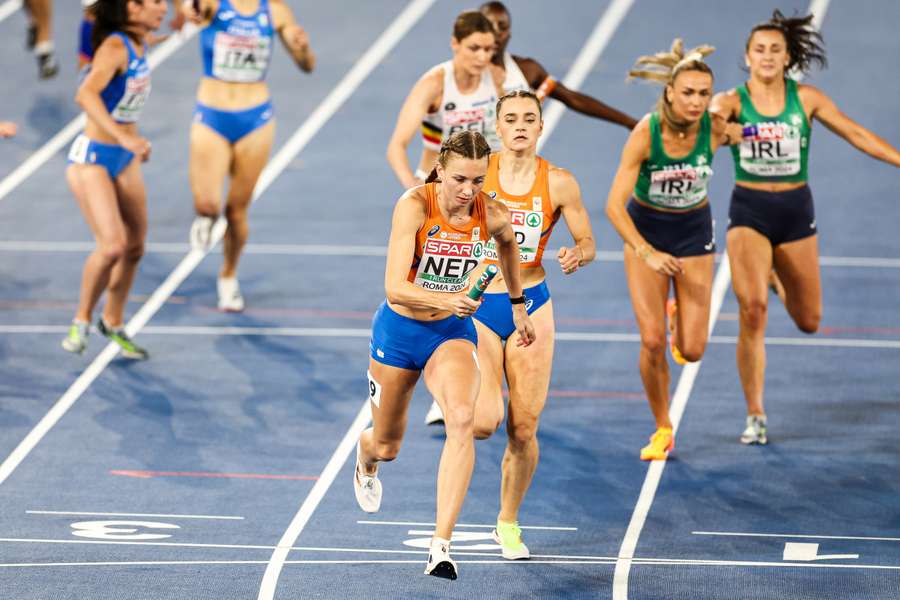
x=67, y=133
x=362, y=251
x=676, y=410
x=587, y=58
x=349, y=332
x=798, y=536
x=105, y=514
x=420, y=524
x=274, y=168
x=294, y=562
x=9, y=7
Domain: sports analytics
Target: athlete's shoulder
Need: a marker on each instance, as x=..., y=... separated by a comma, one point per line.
x=433, y=78
x=533, y=71
x=494, y=208
x=810, y=92
x=563, y=185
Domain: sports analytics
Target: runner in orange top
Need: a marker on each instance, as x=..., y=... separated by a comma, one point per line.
x=438, y=238
x=537, y=194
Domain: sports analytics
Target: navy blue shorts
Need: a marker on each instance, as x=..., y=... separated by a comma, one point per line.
x=407, y=343
x=680, y=234
x=234, y=124
x=780, y=216
x=495, y=311
x=85, y=151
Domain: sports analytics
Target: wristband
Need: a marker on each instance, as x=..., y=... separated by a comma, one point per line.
x=519, y=300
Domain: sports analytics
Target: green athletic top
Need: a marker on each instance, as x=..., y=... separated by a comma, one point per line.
x=773, y=148
x=675, y=183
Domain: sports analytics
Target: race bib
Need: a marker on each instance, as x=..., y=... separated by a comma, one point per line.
x=240, y=58
x=771, y=149
x=679, y=186
x=446, y=265
x=137, y=90
x=528, y=226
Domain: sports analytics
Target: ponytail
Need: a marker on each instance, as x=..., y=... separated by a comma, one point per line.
x=110, y=16
x=805, y=45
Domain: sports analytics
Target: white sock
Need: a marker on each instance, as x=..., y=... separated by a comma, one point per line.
x=45, y=47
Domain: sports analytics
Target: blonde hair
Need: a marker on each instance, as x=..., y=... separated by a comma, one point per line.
x=664, y=67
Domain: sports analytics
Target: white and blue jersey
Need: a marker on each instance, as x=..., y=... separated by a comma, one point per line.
x=124, y=96
x=236, y=48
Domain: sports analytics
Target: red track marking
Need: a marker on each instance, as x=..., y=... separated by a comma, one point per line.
x=149, y=474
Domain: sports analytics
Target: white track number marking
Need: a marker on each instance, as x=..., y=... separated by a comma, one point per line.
x=461, y=540
x=798, y=552
x=120, y=530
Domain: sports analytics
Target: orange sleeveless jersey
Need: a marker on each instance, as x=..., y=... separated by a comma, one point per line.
x=532, y=215
x=446, y=254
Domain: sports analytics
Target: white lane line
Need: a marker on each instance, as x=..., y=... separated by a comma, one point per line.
x=362, y=251
x=8, y=8
x=341, y=332
x=373, y=56
x=798, y=536
x=679, y=402
x=109, y=514
x=587, y=58
x=420, y=524
x=274, y=168
x=67, y=133
x=345, y=448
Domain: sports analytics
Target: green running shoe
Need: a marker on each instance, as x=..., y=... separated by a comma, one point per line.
x=118, y=335
x=76, y=340
x=509, y=536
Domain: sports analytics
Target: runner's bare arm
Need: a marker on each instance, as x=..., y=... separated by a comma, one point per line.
x=566, y=194
x=825, y=110
x=424, y=94
x=293, y=36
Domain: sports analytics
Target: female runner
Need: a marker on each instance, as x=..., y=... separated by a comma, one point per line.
x=438, y=237
x=233, y=124
x=457, y=95
x=772, y=222
x=104, y=173
x=658, y=203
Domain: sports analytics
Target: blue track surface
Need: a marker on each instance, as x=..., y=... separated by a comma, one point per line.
x=241, y=423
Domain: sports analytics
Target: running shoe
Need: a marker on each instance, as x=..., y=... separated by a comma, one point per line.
x=48, y=66
x=755, y=433
x=509, y=536
x=118, y=335
x=671, y=309
x=201, y=233
x=439, y=562
x=366, y=487
x=230, y=299
x=661, y=443
x=434, y=416
x=76, y=340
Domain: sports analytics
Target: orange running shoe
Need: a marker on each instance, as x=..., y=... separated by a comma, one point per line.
x=671, y=309
x=661, y=443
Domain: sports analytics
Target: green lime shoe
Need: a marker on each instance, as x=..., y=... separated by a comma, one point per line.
x=76, y=340
x=118, y=335
x=509, y=536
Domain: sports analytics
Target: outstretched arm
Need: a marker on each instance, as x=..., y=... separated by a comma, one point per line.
x=414, y=109
x=586, y=105
x=825, y=110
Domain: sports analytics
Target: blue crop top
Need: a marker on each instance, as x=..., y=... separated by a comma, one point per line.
x=236, y=48
x=124, y=96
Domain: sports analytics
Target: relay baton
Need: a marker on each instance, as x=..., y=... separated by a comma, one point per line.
x=483, y=282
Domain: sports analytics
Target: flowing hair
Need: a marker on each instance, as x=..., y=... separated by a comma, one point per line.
x=664, y=67
x=805, y=45
x=110, y=16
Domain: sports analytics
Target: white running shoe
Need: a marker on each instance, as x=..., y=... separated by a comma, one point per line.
x=201, y=232
x=76, y=340
x=439, y=562
x=230, y=299
x=366, y=487
x=755, y=433
x=434, y=416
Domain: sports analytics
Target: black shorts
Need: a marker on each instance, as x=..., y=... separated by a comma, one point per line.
x=677, y=233
x=780, y=216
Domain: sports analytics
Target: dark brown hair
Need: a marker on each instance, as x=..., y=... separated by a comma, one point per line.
x=110, y=16
x=804, y=43
x=466, y=144
x=469, y=22
x=520, y=94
